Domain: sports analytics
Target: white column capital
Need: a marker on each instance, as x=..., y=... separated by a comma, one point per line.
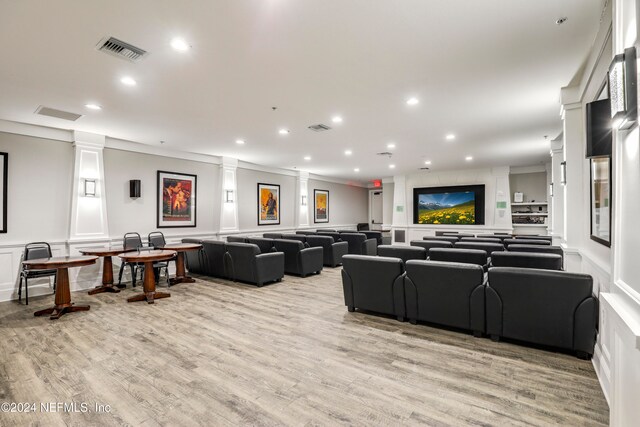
x=228, y=162
x=88, y=140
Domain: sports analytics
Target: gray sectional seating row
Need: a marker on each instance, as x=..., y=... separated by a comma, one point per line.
x=551, y=308
x=359, y=243
x=236, y=261
x=332, y=251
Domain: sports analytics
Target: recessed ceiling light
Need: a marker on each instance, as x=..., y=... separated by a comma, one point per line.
x=561, y=20
x=427, y=162
x=128, y=81
x=356, y=170
x=240, y=141
x=348, y=152
x=392, y=166
x=307, y=157
x=468, y=158
x=450, y=137
x=336, y=119
x=413, y=101
x=283, y=131
x=93, y=106
x=180, y=44
x=391, y=145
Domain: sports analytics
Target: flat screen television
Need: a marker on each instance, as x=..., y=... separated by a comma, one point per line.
x=453, y=205
x=599, y=132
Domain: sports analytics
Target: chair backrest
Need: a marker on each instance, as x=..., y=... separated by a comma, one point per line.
x=481, y=240
x=323, y=241
x=405, y=253
x=498, y=236
x=265, y=245
x=299, y=237
x=508, y=242
x=467, y=256
x=305, y=232
x=132, y=241
x=213, y=257
x=336, y=236
x=236, y=239
x=428, y=244
x=156, y=239
x=37, y=250
x=541, y=249
x=487, y=247
x=355, y=241
x=451, y=239
x=242, y=260
x=374, y=235
x=329, y=230
x=362, y=226
x=532, y=237
x=458, y=235
x=527, y=260
x=272, y=235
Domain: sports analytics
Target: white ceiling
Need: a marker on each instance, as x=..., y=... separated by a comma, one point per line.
x=487, y=70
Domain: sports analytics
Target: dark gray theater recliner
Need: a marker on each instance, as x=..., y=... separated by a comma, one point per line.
x=374, y=283
x=332, y=252
x=359, y=244
x=298, y=259
x=195, y=259
x=466, y=256
x=489, y=248
x=553, y=308
x=405, y=253
x=265, y=245
x=508, y=242
x=245, y=263
x=373, y=235
x=543, y=249
x=451, y=239
x=213, y=252
x=236, y=239
x=481, y=240
x=428, y=244
x=527, y=260
x=446, y=293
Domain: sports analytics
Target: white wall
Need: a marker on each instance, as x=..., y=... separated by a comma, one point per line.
x=126, y=214
x=533, y=185
x=348, y=204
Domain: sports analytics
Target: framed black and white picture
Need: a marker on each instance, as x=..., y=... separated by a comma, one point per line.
x=4, y=165
x=601, y=200
x=320, y=206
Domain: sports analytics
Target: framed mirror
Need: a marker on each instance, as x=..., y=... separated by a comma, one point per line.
x=601, y=192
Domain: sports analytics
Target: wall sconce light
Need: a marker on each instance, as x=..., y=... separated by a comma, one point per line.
x=622, y=90
x=563, y=173
x=134, y=188
x=228, y=196
x=304, y=200
x=551, y=189
x=90, y=188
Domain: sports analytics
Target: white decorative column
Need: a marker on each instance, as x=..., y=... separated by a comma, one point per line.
x=557, y=201
x=88, y=225
x=399, y=216
x=302, y=202
x=502, y=212
x=387, y=203
x=228, y=186
x=573, y=190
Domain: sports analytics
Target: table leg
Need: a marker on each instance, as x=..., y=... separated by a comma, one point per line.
x=149, y=287
x=181, y=271
x=63, y=303
x=107, y=278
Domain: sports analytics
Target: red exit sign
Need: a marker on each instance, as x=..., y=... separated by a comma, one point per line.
x=377, y=183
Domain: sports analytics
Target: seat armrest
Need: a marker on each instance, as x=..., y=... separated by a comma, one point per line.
x=585, y=325
x=370, y=247
x=269, y=266
x=311, y=260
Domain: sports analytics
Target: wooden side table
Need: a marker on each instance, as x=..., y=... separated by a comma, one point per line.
x=181, y=272
x=107, y=267
x=149, y=293
x=63, y=302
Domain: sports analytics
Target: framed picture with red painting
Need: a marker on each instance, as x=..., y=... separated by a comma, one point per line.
x=176, y=200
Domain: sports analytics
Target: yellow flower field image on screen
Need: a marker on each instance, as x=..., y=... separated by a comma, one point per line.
x=447, y=208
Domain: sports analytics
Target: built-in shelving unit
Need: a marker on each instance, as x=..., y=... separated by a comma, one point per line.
x=529, y=213
x=532, y=215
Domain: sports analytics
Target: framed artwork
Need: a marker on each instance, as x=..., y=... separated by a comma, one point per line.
x=320, y=206
x=4, y=164
x=176, y=200
x=601, y=200
x=268, y=204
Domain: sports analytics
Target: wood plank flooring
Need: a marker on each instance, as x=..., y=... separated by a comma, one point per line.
x=221, y=353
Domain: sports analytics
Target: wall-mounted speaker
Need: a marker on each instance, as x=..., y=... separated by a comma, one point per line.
x=134, y=188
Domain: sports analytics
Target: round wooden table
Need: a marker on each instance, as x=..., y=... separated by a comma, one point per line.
x=181, y=273
x=149, y=281
x=62, y=264
x=107, y=267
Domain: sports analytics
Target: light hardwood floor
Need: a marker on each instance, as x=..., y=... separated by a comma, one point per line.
x=220, y=353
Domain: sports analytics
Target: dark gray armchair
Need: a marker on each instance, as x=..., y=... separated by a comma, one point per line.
x=405, y=253
x=272, y=235
x=299, y=237
x=236, y=239
x=373, y=235
x=466, y=256
x=527, y=260
x=509, y=242
x=553, y=308
x=359, y=244
x=446, y=293
x=245, y=263
x=428, y=244
x=298, y=259
x=451, y=239
x=375, y=284
x=195, y=259
x=489, y=248
x=265, y=245
x=481, y=240
x=538, y=249
x=332, y=252
x=213, y=258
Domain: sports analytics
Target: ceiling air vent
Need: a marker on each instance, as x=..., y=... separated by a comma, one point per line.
x=385, y=153
x=58, y=114
x=319, y=127
x=424, y=169
x=124, y=50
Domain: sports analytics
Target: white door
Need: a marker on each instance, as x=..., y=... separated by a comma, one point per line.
x=375, y=209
